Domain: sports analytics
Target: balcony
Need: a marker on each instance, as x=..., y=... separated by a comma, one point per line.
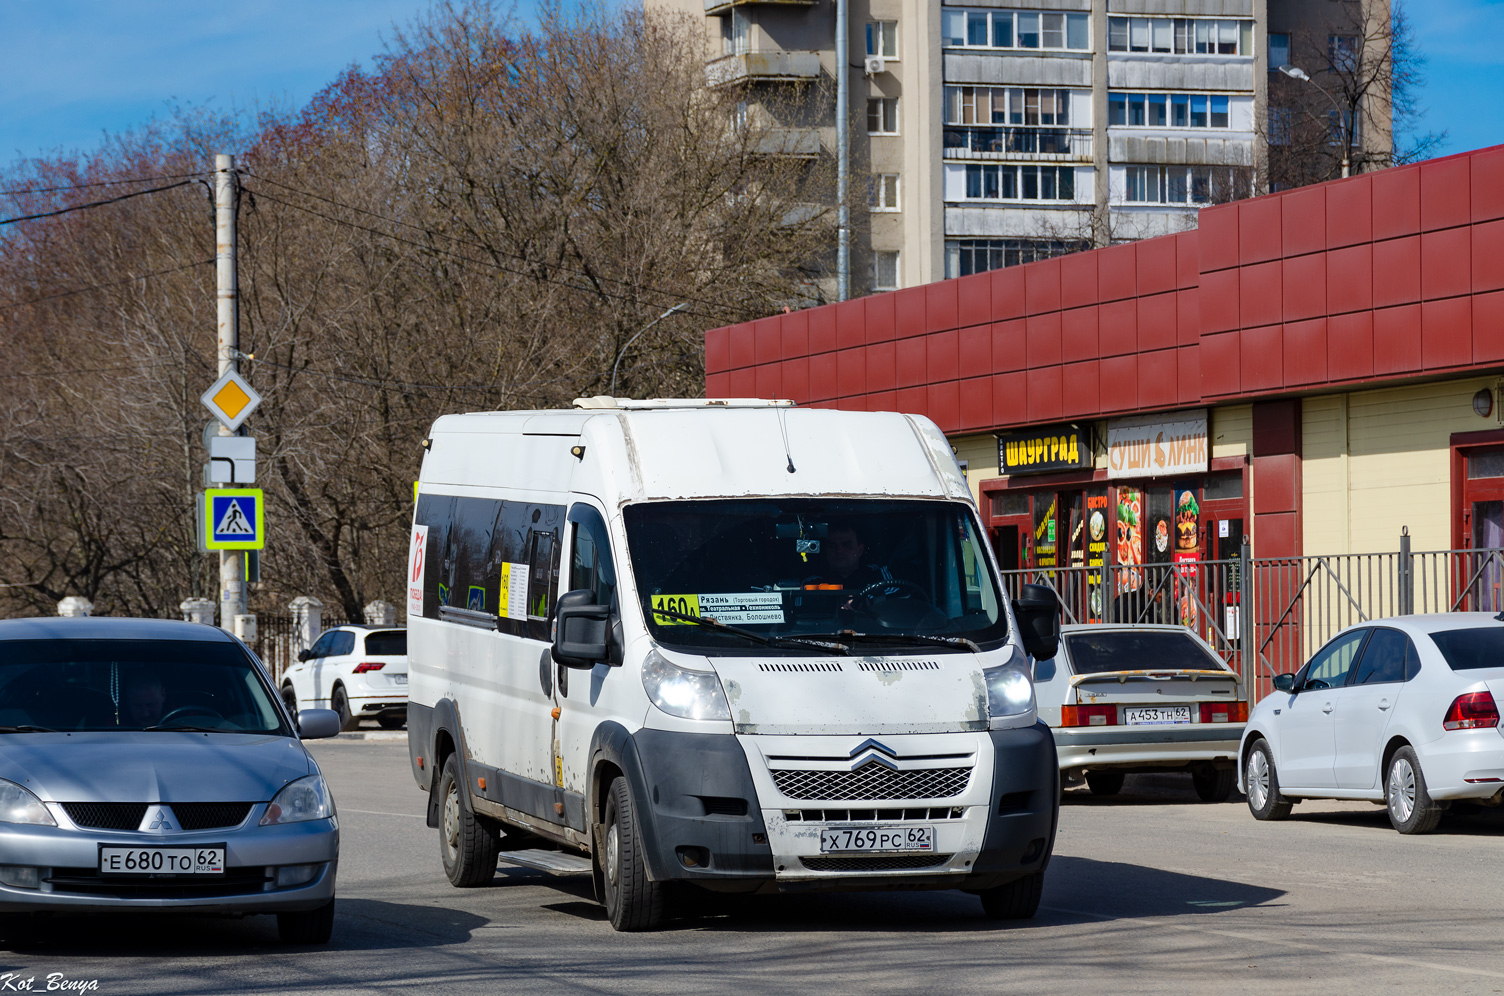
x=1034, y=144
x=721, y=6
x=758, y=66
x=801, y=143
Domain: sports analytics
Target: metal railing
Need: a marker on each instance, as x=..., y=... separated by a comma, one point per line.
x=276, y=641
x=1277, y=611
x=981, y=141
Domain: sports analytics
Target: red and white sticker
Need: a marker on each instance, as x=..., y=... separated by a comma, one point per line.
x=415, y=556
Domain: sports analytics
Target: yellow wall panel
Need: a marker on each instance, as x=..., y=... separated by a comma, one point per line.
x=980, y=455
x=1231, y=430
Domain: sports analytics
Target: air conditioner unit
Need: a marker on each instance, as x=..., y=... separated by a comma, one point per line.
x=875, y=65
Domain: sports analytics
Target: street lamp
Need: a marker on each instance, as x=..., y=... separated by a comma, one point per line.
x=1296, y=73
x=678, y=307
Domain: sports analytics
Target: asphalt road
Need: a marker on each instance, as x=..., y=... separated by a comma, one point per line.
x=1148, y=892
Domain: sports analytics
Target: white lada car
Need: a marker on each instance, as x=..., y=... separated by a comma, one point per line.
x=1400, y=711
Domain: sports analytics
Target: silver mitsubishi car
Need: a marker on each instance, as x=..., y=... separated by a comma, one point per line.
x=149, y=765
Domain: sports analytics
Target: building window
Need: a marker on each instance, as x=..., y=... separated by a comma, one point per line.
x=885, y=192
x=963, y=257
x=1006, y=182
x=1180, y=35
x=885, y=270
x=736, y=32
x=1342, y=52
x=1015, y=29
x=1192, y=185
x=882, y=39
x=882, y=116
x=1334, y=124
x=1279, y=51
x=1048, y=108
x=1172, y=110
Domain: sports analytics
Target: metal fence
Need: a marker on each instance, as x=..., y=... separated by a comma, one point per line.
x=277, y=643
x=1275, y=612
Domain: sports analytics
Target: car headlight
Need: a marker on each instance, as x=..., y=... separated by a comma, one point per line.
x=1010, y=693
x=17, y=805
x=300, y=801
x=683, y=693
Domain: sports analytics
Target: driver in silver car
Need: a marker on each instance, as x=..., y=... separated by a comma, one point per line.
x=144, y=699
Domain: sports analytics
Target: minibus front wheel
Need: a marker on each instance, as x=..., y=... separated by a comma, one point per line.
x=633, y=902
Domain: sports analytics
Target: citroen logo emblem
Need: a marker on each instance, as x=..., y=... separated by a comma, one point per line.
x=871, y=751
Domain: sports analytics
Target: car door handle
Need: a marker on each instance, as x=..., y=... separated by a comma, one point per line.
x=1383, y=703
x=1327, y=707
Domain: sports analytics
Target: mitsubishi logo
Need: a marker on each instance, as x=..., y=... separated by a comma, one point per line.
x=158, y=819
x=870, y=751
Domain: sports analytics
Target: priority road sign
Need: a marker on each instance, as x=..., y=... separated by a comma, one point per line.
x=234, y=519
x=231, y=399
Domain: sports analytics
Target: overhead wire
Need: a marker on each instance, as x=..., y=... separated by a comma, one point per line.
x=112, y=283
x=665, y=294
x=95, y=204
x=21, y=192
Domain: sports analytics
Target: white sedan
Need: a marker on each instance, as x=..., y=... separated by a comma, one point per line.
x=1128, y=698
x=1400, y=711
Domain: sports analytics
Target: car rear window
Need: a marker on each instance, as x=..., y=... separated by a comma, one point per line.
x=1137, y=650
x=1471, y=649
x=392, y=643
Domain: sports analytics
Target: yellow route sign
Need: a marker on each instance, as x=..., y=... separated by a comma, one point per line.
x=231, y=399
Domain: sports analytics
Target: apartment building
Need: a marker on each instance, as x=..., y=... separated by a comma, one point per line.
x=991, y=133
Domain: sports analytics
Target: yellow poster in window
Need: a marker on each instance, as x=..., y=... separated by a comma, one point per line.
x=684, y=605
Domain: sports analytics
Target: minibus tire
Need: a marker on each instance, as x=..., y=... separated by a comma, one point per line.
x=633, y=902
x=1018, y=900
x=467, y=847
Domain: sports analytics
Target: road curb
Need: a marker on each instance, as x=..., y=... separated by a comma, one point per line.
x=388, y=736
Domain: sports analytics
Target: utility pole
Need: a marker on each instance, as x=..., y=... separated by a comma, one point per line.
x=232, y=595
x=843, y=152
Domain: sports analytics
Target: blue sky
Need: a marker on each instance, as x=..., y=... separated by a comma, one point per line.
x=71, y=70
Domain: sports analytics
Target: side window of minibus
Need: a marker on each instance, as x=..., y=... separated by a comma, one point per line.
x=590, y=564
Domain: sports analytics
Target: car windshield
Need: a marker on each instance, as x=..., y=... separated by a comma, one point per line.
x=1137, y=650
x=905, y=573
x=1471, y=649
x=389, y=643
x=75, y=685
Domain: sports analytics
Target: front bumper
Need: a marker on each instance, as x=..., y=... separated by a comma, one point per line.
x=70, y=859
x=1147, y=746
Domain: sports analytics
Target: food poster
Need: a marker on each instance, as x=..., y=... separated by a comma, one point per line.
x=1130, y=549
x=1096, y=553
x=1044, y=531
x=1160, y=527
x=1073, y=508
x=1078, y=530
x=1187, y=535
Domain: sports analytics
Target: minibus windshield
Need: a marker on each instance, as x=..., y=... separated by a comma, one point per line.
x=875, y=574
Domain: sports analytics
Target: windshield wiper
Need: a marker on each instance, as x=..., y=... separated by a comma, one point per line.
x=770, y=641
x=911, y=638
x=182, y=729
x=26, y=729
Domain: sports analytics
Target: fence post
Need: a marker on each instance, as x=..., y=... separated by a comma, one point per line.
x=380, y=613
x=198, y=610
x=75, y=605
x=307, y=622
x=1405, y=583
x=1248, y=648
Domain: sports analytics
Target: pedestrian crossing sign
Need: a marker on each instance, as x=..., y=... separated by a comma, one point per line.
x=234, y=519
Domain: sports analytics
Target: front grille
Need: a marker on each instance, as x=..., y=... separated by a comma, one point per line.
x=128, y=815
x=88, y=882
x=894, y=862
x=106, y=815
x=872, y=781
x=873, y=815
x=210, y=815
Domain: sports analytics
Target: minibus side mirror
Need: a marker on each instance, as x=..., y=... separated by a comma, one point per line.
x=1037, y=610
x=1284, y=682
x=582, y=630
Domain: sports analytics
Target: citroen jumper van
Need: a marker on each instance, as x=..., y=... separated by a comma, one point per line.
x=739, y=645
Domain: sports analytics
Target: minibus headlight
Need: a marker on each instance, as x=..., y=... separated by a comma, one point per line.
x=683, y=693
x=17, y=805
x=1010, y=693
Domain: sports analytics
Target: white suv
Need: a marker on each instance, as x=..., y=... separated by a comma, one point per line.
x=358, y=671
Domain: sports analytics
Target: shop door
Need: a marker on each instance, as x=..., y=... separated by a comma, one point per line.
x=1481, y=569
x=1011, y=528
